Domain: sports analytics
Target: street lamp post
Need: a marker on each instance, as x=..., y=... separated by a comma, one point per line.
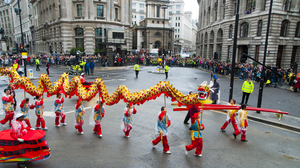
x=22, y=37
x=261, y=85
x=164, y=7
x=234, y=48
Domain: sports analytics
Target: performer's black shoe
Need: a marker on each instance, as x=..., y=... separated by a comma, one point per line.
x=234, y=135
x=223, y=130
x=190, y=128
x=244, y=140
x=185, y=122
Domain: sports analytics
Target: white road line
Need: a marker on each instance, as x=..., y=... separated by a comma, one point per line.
x=49, y=113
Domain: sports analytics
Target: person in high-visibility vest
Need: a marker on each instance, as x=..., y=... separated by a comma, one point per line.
x=16, y=66
x=136, y=68
x=37, y=63
x=247, y=89
x=166, y=71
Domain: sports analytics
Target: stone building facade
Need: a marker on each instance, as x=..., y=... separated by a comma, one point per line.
x=216, y=30
x=151, y=30
x=59, y=25
x=7, y=24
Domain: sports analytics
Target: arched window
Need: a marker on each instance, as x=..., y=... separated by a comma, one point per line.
x=298, y=30
x=157, y=34
x=259, y=27
x=284, y=28
x=79, y=32
x=230, y=31
x=244, y=29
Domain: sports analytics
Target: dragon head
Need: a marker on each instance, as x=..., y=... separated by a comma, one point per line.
x=204, y=90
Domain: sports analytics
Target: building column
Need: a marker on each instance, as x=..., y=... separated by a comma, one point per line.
x=155, y=11
x=219, y=10
x=258, y=5
x=211, y=12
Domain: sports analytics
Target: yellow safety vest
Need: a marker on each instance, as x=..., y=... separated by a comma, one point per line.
x=248, y=87
x=15, y=65
x=37, y=62
x=136, y=67
x=166, y=68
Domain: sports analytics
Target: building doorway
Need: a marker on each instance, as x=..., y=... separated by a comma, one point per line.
x=157, y=44
x=279, y=56
x=242, y=49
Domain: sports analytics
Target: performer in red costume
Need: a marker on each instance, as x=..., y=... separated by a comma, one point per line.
x=127, y=119
x=59, y=112
x=39, y=112
x=19, y=128
x=79, y=112
x=230, y=118
x=96, y=118
x=25, y=106
x=243, y=123
x=163, y=124
x=8, y=107
x=196, y=135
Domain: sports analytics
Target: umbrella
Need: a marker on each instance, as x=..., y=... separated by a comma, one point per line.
x=54, y=54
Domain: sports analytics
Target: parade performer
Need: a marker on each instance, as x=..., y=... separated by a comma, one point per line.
x=196, y=135
x=19, y=127
x=8, y=107
x=96, y=117
x=163, y=124
x=230, y=118
x=59, y=112
x=191, y=112
x=79, y=116
x=243, y=123
x=39, y=112
x=127, y=119
x=82, y=80
x=25, y=106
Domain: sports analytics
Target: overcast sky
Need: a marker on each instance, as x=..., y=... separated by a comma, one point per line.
x=192, y=5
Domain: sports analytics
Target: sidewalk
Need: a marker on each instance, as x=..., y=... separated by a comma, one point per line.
x=287, y=121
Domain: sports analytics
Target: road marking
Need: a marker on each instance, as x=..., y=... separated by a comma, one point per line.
x=50, y=113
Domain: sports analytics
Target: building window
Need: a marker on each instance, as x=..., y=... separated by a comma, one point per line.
x=284, y=27
x=178, y=36
x=141, y=5
x=143, y=33
x=99, y=43
x=143, y=45
x=229, y=53
x=116, y=13
x=250, y=6
x=298, y=30
x=79, y=32
x=286, y=5
x=157, y=11
x=134, y=16
x=170, y=12
x=259, y=28
x=152, y=21
x=142, y=11
x=157, y=22
x=99, y=32
x=100, y=10
x=175, y=24
x=79, y=43
x=178, y=24
x=133, y=4
x=170, y=24
x=178, y=30
x=170, y=6
x=141, y=17
x=178, y=18
x=117, y=35
x=244, y=30
x=175, y=36
x=175, y=30
x=257, y=52
x=177, y=6
x=177, y=12
x=79, y=10
x=170, y=18
x=230, y=31
x=157, y=34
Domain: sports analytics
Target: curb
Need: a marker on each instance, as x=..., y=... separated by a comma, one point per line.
x=269, y=122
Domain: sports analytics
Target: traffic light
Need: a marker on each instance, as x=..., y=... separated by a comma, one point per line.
x=21, y=46
x=244, y=58
x=159, y=52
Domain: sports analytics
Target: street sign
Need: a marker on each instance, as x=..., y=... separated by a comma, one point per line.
x=24, y=55
x=30, y=73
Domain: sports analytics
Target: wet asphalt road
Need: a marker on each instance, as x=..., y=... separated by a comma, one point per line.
x=267, y=146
